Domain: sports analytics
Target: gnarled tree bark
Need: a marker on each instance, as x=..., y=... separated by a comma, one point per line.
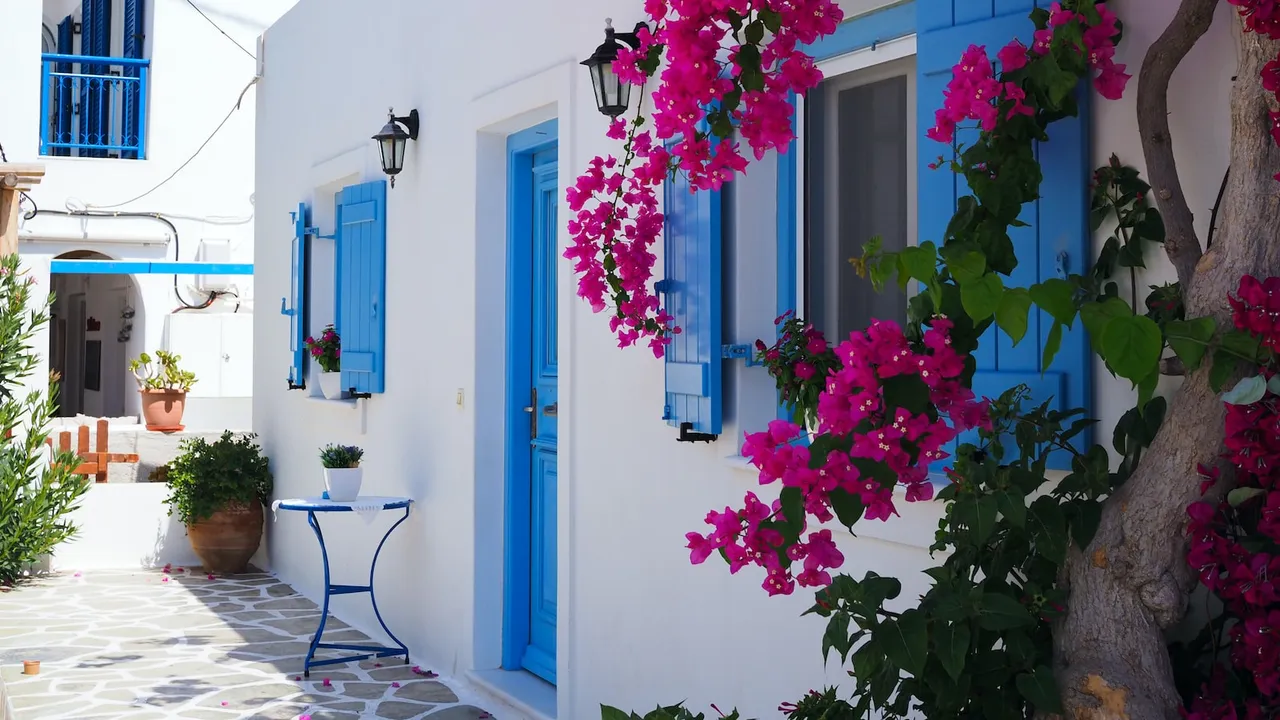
x=1132, y=582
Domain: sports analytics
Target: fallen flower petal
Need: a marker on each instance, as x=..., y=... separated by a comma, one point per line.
x=164, y=579
x=224, y=703
x=297, y=678
x=326, y=683
x=395, y=684
x=211, y=577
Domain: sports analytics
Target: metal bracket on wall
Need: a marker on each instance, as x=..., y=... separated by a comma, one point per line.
x=739, y=352
x=357, y=395
x=688, y=435
x=1060, y=265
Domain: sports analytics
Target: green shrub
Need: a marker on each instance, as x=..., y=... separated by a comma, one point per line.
x=37, y=490
x=206, y=477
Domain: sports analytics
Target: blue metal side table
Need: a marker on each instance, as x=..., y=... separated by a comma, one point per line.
x=362, y=505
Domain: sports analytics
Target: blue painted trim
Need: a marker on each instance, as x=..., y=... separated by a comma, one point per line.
x=865, y=31
x=521, y=148
x=147, y=267
x=60, y=57
x=859, y=33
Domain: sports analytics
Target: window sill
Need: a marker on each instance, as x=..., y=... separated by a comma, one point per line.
x=341, y=402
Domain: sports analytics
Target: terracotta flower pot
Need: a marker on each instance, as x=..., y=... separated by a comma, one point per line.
x=225, y=541
x=30, y=667
x=162, y=409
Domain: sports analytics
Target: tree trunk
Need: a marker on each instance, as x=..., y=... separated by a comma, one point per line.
x=1132, y=582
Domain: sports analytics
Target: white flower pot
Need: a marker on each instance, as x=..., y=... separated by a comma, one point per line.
x=343, y=484
x=331, y=384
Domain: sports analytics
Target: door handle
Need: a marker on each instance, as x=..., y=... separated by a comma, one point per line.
x=533, y=416
x=552, y=410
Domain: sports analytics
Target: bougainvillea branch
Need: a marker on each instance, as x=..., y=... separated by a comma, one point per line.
x=731, y=68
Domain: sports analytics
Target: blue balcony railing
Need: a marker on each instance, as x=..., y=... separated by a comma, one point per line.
x=93, y=106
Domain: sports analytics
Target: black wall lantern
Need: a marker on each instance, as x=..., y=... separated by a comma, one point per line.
x=612, y=94
x=392, y=139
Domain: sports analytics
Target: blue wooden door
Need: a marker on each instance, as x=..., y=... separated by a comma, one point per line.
x=540, y=656
x=529, y=634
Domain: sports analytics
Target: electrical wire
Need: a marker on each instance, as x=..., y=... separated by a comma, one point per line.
x=186, y=162
x=177, y=248
x=224, y=32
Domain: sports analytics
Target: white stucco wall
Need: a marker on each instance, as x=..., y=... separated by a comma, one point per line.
x=637, y=624
x=196, y=77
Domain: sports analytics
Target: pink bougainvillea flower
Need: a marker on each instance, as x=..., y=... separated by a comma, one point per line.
x=76, y=575
x=395, y=684
x=164, y=579
x=297, y=678
x=224, y=703
x=210, y=576
x=326, y=683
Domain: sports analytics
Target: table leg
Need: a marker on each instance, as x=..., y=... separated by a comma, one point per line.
x=373, y=566
x=324, y=611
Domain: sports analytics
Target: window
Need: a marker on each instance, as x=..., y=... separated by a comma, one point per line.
x=859, y=180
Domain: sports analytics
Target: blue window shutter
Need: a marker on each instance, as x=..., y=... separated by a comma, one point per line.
x=361, y=260
x=133, y=44
x=691, y=294
x=298, y=296
x=1056, y=240
x=85, y=127
x=63, y=86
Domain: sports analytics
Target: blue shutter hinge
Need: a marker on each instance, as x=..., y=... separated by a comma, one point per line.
x=315, y=231
x=739, y=352
x=1060, y=264
x=285, y=309
x=662, y=287
x=292, y=385
x=357, y=395
x=688, y=435
x=666, y=412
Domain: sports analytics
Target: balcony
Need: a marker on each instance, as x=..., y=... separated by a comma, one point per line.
x=93, y=106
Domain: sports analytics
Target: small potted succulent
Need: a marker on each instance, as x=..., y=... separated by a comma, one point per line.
x=219, y=490
x=342, y=471
x=327, y=352
x=164, y=387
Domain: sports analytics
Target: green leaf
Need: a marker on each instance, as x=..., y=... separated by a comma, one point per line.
x=1096, y=316
x=848, y=507
x=905, y=641
x=755, y=32
x=1001, y=612
x=1131, y=346
x=919, y=262
x=612, y=713
x=1056, y=297
x=836, y=636
x=1013, y=506
x=981, y=297
x=1051, y=344
x=793, y=513
x=1085, y=522
x=966, y=266
x=1048, y=527
x=1190, y=339
x=1041, y=690
x=1011, y=314
x=978, y=515
x=952, y=640
x=1246, y=392
x=1242, y=495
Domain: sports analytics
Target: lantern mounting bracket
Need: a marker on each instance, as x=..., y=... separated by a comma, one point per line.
x=410, y=122
x=632, y=38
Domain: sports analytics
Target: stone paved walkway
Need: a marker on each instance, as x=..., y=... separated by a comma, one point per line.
x=141, y=645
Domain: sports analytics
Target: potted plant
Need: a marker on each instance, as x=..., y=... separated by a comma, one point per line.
x=328, y=353
x=342, y=471
x=218, y=490
x=164, y=387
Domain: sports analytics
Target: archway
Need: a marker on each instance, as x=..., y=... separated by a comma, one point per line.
x=93, y=321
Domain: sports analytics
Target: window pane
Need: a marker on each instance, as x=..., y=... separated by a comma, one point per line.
x=857, y=181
